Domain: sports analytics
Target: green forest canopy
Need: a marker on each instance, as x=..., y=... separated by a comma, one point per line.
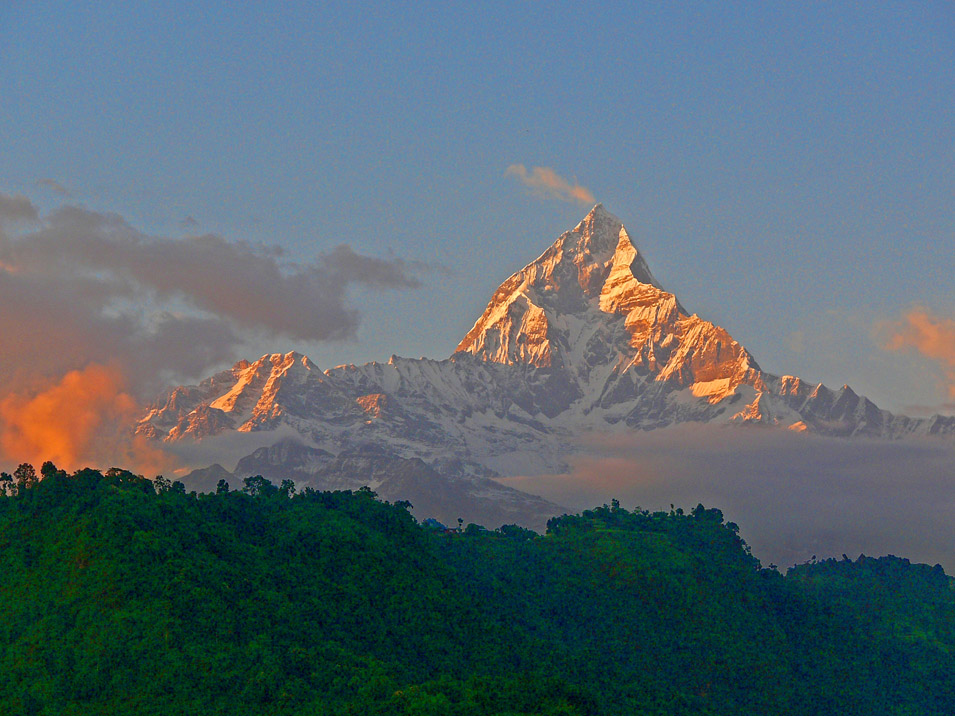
x=122, y=595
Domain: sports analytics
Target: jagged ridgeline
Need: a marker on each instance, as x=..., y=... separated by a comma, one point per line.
x=125, y=596
x=582, y=340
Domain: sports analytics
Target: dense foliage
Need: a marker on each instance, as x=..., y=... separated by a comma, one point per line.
x=120, y=595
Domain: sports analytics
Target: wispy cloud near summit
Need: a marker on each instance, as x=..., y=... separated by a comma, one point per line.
x=548, y=184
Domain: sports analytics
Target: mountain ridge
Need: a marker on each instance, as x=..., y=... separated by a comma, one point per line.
x=393, y=478
x=582, y=339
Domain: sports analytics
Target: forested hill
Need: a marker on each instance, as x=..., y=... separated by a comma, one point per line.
x=119, y=595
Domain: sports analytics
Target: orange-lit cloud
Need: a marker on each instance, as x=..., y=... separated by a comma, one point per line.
x=547, y=183
x=81, y=420
x=80, y=290
x=931, y=335
x=80, y=287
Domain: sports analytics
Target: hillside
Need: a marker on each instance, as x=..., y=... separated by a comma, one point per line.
x=125, y=596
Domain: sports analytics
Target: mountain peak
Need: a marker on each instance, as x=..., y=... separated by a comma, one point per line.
x=592, y=269
x=598, y=211
x=595, y=240
x=589, y=307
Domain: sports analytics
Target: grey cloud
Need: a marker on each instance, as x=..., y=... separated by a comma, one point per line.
x=188, y=223
x=59, y=324
x=183, y=345
x=16, y=207
x=224, y=448
x=249, y=284
x=96, y=317
x=793, y=495
x=929, y=410
x=86, y=287
x=380, y=273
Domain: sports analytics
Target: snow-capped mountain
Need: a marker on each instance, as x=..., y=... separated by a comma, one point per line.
x=583, y=339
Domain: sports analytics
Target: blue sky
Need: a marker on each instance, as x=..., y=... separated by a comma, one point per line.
x=787, y=169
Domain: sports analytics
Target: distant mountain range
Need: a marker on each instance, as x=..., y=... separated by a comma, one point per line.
x=446, y=497
x=583, y=339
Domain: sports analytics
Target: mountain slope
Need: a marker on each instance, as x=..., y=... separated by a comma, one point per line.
x=583, y=339
x=124, y=596
x=475, y=499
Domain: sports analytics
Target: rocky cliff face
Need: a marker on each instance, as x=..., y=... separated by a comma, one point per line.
x=590, y=309
x=581, y=339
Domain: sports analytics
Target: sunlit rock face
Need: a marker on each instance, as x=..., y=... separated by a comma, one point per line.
x=583, y=339
x=590, y=307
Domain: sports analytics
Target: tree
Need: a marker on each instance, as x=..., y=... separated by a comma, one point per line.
x=516, y=533
x=48, y=469
x=258, y=486
x=25, y=476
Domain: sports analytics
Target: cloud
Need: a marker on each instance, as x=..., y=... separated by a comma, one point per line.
x=374, y=272
x=793, y=495
x=797, y=341
x=54, y=186
x=931, y=335
x=250, y=284
x=548, y=184
x=16, y=207
x=79, y=420
x=188, y=223
x=928, y=411
x=80, y=288
x=226, y=447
